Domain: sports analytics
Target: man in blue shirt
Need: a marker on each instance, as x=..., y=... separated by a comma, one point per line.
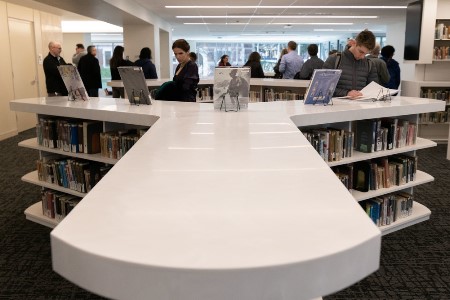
x=291, y=63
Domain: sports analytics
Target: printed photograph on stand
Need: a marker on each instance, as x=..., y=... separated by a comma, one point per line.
x=73, y=82
x=231, y=88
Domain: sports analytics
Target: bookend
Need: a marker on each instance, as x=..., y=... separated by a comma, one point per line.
x=223, y=104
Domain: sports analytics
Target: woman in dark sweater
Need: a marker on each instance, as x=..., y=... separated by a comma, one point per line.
x=254, y=62
x=186, y=74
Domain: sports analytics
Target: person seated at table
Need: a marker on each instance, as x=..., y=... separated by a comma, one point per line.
x=183, y=86
x=224, y=61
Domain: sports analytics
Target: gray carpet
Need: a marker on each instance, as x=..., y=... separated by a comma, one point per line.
x=415, y=262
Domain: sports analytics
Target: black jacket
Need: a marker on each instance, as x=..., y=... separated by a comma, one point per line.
x=255, y=69
x=148, y=67
x=53, y=79
x=89, y=69
x=186, y=82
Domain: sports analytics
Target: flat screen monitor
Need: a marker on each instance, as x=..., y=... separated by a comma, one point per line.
x=413, y=30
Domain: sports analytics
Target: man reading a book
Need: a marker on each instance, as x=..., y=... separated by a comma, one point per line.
x=357, y=70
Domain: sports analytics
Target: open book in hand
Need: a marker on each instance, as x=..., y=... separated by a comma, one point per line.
x=374, y=92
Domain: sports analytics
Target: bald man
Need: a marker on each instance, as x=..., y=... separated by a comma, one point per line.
x=55, y=84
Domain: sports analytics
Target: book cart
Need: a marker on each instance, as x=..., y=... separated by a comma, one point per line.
x=233, y=205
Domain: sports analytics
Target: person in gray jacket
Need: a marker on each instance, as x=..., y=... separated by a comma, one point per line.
x=383, y=74
x=357, y=70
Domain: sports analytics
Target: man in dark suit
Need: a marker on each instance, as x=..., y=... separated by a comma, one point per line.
x=53, y=80
x=89, y=69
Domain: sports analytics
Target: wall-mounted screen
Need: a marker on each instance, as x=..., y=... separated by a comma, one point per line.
x=412, y=32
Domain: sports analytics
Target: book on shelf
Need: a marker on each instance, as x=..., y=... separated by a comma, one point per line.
x=91, y=136
x=387, y=209
x=57, y=205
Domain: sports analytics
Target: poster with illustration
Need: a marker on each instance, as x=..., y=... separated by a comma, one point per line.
x=73, y=82
x=231, y=88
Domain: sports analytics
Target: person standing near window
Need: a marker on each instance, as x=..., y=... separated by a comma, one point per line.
x=53, y=80
x=79, y=52
x=291, y=63
x=89, y=69
x=254, y=62
x=224, y=61
x=311, y=64
x=383, y=74
x=392, y=65
x=146, y=64
x=115, y=62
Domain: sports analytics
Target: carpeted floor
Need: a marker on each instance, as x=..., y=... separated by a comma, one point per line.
x=415, y=262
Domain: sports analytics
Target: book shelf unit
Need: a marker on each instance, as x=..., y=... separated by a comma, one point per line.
x=34, y=212
x=441, y=40
x=222, y=186
x=422, y=213
x=436, y=131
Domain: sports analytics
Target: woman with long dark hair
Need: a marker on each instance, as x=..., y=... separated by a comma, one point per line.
x=115, y=62
x=254, y=62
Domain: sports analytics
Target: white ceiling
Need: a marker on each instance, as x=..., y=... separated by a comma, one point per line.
x=260, y=23
x=236, y=27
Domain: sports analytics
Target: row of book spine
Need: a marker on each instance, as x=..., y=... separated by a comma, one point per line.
x=205, y=93
x=114, y=144
x=435, y=117
x=272, y=95
x=57, y=205
x=75, y=174
x=374, y=135
x=384, y=172
x=387, y=209
x=442, y=31
x=439, y=94
x=80, y=136
x=331, y=144
x=441, y=52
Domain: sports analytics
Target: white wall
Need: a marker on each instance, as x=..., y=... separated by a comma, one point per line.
x=47, y=27
x=69, y=44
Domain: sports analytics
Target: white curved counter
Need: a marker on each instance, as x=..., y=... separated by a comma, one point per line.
x=218, y=206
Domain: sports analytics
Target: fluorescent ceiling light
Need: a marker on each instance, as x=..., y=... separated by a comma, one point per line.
x=289, y=6
x=276, y=17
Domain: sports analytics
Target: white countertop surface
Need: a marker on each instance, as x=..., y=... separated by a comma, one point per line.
x=287, y=83
x=216, y=205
